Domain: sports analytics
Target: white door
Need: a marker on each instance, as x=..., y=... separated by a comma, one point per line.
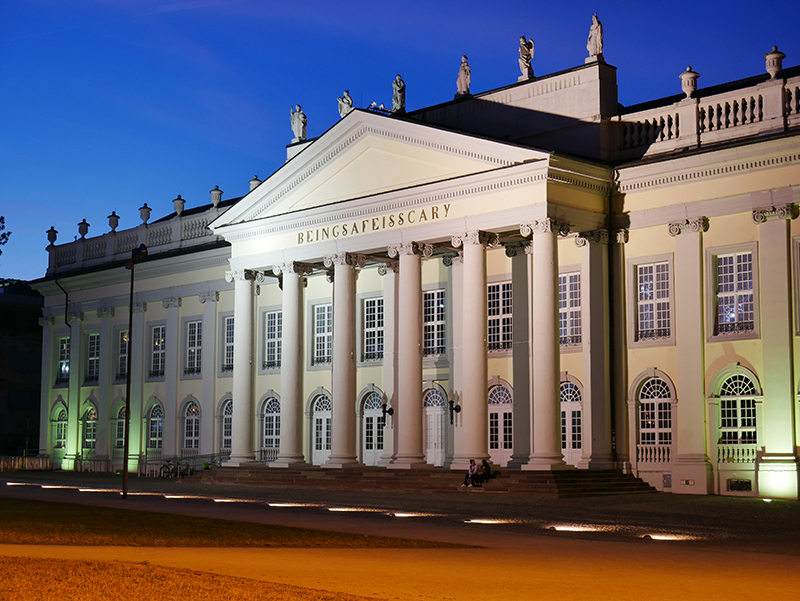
x=434, y=427
x=501, y=425
x=571, y=423
x=321, y=422
x=372, y=428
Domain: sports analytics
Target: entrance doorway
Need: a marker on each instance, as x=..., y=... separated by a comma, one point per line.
x=434, y=404
x=372, y=427
x=501, y=425
x=571, y=422
x=321, y=421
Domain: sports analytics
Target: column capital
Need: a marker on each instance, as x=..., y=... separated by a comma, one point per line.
x=621, y=236
x=172, y=302
x=139, y=307
x=475, y=237
x=393, y=266
x=410, y=248
x=210, y=297
x=345, y=258
x=75, y=316
x=593, y=237
x=238, y=275
x=451, y=258
x=47, y=321
x=514, y=248
x=696, y=225
x=785, y=211
x=544, y=226
x=105, y=312
x=292, y=267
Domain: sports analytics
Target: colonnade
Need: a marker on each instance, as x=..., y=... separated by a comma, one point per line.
x=472, y=442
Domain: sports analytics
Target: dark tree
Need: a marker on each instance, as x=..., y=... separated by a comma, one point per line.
x=3, y=233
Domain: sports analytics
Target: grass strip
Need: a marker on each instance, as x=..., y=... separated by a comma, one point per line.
x=48, y=523
x=36, y=579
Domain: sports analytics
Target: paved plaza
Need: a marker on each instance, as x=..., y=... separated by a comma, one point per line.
x=623, y=547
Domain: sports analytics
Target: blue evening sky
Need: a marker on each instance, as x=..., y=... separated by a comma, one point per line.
x=108, y=104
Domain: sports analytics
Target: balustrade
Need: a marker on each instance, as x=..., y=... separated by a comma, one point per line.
x=652, y=453
x=738, y=453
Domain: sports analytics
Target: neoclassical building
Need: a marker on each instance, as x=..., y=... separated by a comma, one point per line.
x=534, y=275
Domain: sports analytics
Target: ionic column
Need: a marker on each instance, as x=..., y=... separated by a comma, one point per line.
x=595, y=346
x=546, y=352
x=242, y=446
x=291, y=442
x=172, y=370
x=474, y=401
x=343, y=437
x=408, y=413
x=691, y=471
x=389, y=270
x=777, y=470
x=521, y=359
x=74, y=443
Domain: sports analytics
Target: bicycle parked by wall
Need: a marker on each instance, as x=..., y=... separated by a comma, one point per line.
x=171, y=468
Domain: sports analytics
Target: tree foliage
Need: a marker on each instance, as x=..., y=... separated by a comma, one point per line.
x=3, y=233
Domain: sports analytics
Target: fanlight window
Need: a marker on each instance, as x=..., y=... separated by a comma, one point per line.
x=323, y=403
x=737, y=408
x=433, y=398
x=500, y=395
x=272, y=424
x=373, y=401
x=570, y=393
x=655, y=413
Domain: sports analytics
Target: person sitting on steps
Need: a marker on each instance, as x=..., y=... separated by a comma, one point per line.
x=471, y=474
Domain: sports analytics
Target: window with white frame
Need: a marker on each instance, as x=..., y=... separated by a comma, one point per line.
x=90, y=428
x=272, y=424
x=433, y=324
x=734, y=289
x=155, y=427
x=122, y=355
x=499, y=307
x=273, y=337
x=569, y=308
x=157, y=351
x=92, y=359
x=191, y=437
x=500, y=438
x=653, y=301
x=372, y=348
x=737, y=408
x=119, y=441
x=655, y=413
x=227, y=425
x=62, y=373
x=60, y=430
x=571, y=430
x=227, y=350
x=323, y=333
x=194, y=348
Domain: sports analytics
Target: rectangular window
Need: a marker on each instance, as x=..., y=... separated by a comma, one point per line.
x=323, y=334
x=122, y=355
x=192, y=438
x=93, y=359
x=194, y=348
x=653, y=301
x=372, y=349
x=499, y=312
x=227, y=351
x=62, y=373
x=576, y=429
x=737, y=421
x=157, y=351
x=734, y=290
x=569, y=308
x=273, y=336
x=433, y=330
x=60, y=441
x=119, y=442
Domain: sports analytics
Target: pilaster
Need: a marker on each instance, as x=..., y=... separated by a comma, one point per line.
x=209, y=301
x=390, y=271
x=172, y=373
x=621, y=441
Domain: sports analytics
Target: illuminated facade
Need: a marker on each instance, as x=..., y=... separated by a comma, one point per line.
x=533, y=275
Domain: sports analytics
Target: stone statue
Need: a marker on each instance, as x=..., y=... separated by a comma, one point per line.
x=398, y=95
x=345, y=104
x=595, y=42
x=525, y=56
x=299, y=121
x=464, y=78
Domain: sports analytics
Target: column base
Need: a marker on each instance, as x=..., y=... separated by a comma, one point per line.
x=693, y=475
x=461, y=462
x=241, y=461
x=407, y=462
x=600, y=462
x=340, y=461
x=286, y=461
x=778, y=477
x=546, y=463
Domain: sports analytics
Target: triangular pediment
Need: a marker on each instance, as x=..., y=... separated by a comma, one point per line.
x=367, y=154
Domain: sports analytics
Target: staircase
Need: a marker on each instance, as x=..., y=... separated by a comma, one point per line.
x=553, y=485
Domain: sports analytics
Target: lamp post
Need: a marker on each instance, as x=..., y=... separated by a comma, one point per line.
x=137, y=254
x=454, y=408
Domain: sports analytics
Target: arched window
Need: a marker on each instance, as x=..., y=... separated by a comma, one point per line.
x=737, y=407
x=119, y=442
x=373, y=422
x=155, y=427
x=272, y=424
x=227, y=425
x=571, y=430
x=191, y=439
x=90, y=428
x=433, y=398
x=60, y=430
x=500, y=395
x=655, y=413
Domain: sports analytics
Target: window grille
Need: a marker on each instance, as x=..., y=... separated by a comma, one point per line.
x=653, y=301
x=93, y=359
x=194, y=347
x=569, y=308
x=735, y=307
x=499, y=328
x=227, y=353
x=433, y=323
x=273, y=338
x=373, y=330
x=191, y=438
x=737, y=408
x=158, y=352
x=272, y=424
x=323, y=334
